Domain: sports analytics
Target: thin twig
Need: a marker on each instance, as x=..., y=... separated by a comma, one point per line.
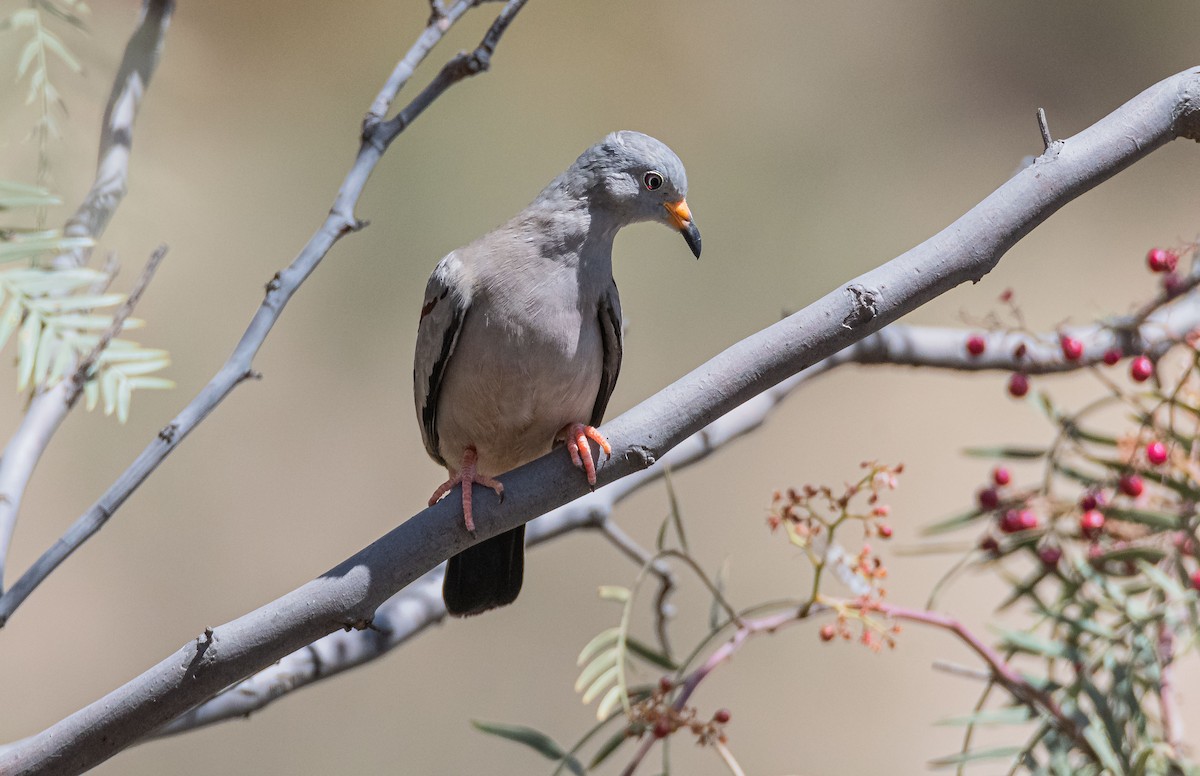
x=1044, y=127
x=84, y=371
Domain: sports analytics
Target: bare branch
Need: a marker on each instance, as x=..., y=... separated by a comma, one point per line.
x=48, y=409
x=116, y=131
x=238, y=367
x=352, y=591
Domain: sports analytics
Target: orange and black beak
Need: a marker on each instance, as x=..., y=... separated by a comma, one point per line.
x=681, y=217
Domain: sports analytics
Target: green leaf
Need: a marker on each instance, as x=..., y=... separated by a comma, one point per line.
x=9, y=320
x=614, y=593
x=676, y=519
x=650, y=655
x=602, y=683
x=1133, y=552
x=535, y=740
x=12, y=250
x=108, y=391
x=1152, y=519
x=967, y=758
x=1013, y=715
x=608, y=747
x=45, y=356
x=21, y=195
x=133, y=368
x=952, y=523
x=1164, y=582
x=1103, y=749
x=610, y=703
x=1017, y=453
x=91, y=394
x=28, y=54
x=124, y=396
x=1035, y=645
x=151, y=383
x=70, y=304
x=27, y=340
x=603, y=662
x=55, y=44
x=598, y=642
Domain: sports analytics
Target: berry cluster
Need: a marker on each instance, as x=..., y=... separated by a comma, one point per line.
x=1073, y=349
x=658, y=715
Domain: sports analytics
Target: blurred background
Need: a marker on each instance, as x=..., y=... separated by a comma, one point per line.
x=821, y=139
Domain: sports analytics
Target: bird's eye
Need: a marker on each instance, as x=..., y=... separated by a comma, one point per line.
x=653, y=180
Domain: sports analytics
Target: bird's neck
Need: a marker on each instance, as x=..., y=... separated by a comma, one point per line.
x=582, y=228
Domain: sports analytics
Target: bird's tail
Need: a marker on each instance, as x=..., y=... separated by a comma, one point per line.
x=485, y=575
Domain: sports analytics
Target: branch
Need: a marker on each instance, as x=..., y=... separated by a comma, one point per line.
x=420, y=606
x=341, y=221
x=48, y=409
x=353, y=590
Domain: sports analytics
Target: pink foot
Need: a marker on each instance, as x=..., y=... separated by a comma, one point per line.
x=466, y=476
x=577, y=436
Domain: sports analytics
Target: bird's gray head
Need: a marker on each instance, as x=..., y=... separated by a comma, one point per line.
x=638, y=178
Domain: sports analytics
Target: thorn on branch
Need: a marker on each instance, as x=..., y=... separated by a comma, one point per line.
x=274, y=283
x=167, y=434
x=1044, y=127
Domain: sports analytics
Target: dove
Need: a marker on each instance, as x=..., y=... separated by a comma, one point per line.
x=520, y=340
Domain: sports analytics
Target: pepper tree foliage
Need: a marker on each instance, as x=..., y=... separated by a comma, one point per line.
x=1098, y=553
x=58, y=316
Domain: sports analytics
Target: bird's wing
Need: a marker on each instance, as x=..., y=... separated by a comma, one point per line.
x=447, y=301
x=611, y=338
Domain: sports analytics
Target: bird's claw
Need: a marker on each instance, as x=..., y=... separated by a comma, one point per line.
x=466, y=476
x=577, y=436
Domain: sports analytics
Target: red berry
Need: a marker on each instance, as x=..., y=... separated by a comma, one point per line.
x=665, y=684
x=1140, y=369
x=1091, y=500
x=1112, y=356
x=989, y=544
x=1159, y=260
x=1156, y=453
x=827, y=633
x=1018, y=520
x=1131, y=485
x=884, y=530
x=1001, y=476
x=988, y=498
x=1049, y=556
x=1072, y=349
x=1195, y=579
x=1090, y=523
x=662, y=728
x=722, y=716
x=976, y=345
x=1018, y=385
